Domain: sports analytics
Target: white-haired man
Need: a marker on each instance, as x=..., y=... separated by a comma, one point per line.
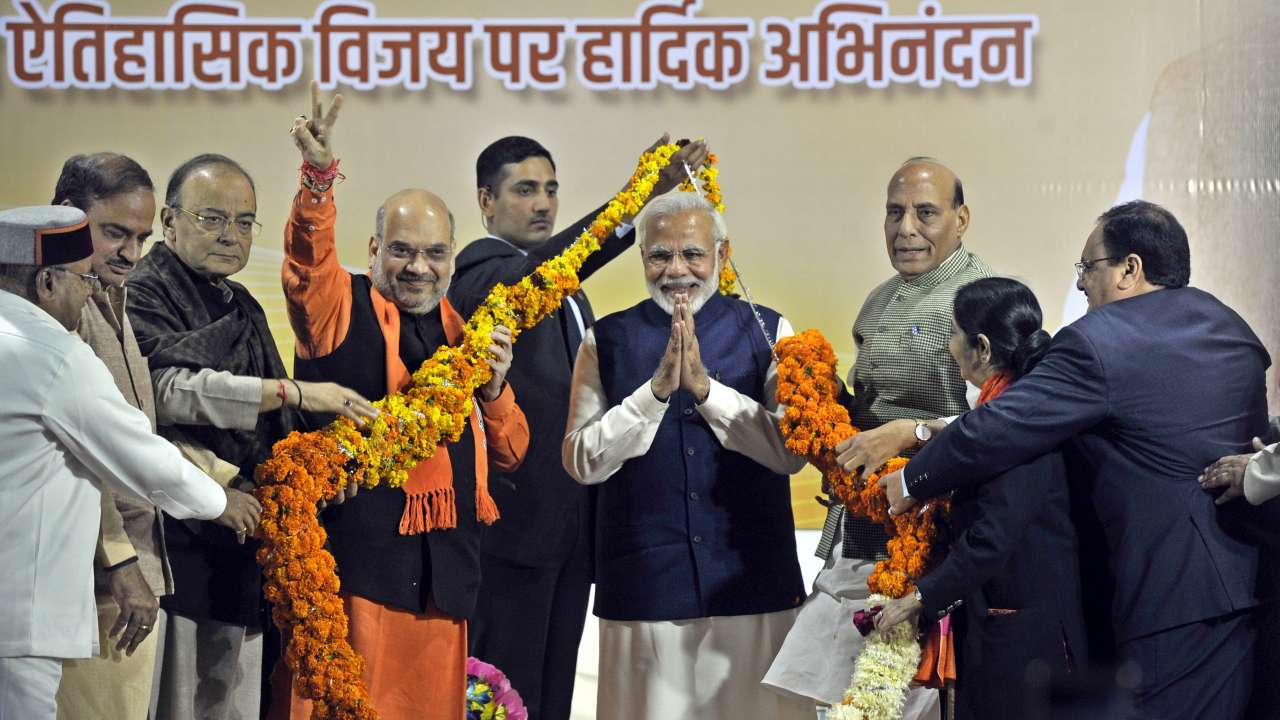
x=695, y=544
x=66, y=433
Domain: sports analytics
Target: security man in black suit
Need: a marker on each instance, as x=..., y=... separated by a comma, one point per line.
x=536, y=562
x=1157, y=381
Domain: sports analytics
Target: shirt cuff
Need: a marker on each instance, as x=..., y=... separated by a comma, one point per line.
x=903, y=478
x=502, y=405
x=719, y=401
x=622, y=230
x=646, y=404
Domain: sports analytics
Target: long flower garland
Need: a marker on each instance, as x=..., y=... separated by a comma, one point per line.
x=814, y=424
x=305, y=468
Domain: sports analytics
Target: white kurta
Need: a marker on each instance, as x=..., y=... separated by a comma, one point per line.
x=65, y=428
x=1262, y=475
x=698, y=668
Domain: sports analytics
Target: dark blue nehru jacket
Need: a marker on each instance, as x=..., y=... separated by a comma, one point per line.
x=690, y=529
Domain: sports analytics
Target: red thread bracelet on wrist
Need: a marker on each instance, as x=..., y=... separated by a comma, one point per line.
x=281, y=393
x=327, y=175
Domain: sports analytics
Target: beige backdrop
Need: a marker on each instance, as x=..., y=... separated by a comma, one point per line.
x=803, y=171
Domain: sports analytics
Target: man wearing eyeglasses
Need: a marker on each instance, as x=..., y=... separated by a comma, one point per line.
x=537, y=562
x=1156, y=382
x=66, y=437
x=220, y=383
x=408, y=556
x=674, y=418
x=131, y=571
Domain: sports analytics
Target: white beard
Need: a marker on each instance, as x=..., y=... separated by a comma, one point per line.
x=699, y=292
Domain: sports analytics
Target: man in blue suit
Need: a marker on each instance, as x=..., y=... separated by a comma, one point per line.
x=1153, y=384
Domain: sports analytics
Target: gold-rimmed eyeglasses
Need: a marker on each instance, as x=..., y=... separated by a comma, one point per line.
x=218, y=223
x=92, y=279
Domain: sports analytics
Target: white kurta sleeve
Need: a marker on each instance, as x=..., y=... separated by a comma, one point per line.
x=113, y=439
x=748, y=427
x=207, y=397
x=599, y=438
x=1262, y=475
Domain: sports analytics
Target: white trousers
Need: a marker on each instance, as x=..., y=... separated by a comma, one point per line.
x=816, y=661
x=28, y=686
x=706, y=668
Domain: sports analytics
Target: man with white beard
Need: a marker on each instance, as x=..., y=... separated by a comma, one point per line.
x=695, y=543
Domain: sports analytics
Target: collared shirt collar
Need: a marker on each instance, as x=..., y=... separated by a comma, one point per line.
x=948, y=269
x=515, y=247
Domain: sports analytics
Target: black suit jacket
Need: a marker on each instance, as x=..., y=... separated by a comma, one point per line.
x=1015, y=550
x=1149, y=391
x=543, y=509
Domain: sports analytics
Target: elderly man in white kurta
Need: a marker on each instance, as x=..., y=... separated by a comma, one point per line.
x=65, y=430
x=673, y=414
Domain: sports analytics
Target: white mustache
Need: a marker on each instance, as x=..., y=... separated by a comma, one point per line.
x=677, y=286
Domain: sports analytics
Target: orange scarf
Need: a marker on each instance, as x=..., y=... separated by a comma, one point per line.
x=429, y=495
x=938, y=655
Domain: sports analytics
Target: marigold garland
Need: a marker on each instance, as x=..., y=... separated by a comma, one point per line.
x=305, y=468
x=709, y=176
x=814, y=424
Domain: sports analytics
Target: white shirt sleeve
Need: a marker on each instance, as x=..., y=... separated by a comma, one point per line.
x=1262, y=475
x=207, y=397
x=598, y=438
x=113, y=440
x=746, y=426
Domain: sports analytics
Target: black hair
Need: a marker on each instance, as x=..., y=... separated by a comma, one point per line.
x=1152, y=233
x=86, y=179
x=1007, y=312
x=173, y=193
x=509, y=150
x=957, y=191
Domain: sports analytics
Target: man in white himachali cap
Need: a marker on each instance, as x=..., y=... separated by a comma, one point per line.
x=64, y=431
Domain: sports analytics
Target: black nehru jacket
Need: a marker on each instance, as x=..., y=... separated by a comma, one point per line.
x=545, y=513
x=375, y=561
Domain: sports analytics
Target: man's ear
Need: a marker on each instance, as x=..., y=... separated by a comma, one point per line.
x=722, y=252
x=44, y=283
x=1133, y=273
x=168, y=216
x=962, y=221
x=373, y=249
x=486, y=199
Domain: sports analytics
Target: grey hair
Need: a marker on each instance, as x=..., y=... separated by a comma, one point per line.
x=19, y=279
x=380, y=224
x=675, y=202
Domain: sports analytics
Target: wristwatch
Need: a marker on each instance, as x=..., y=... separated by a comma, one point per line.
x=923, y=433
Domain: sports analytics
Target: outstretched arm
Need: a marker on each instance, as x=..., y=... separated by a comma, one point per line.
x=1064, y=395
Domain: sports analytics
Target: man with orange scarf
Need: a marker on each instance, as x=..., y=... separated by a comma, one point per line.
x=407, y=558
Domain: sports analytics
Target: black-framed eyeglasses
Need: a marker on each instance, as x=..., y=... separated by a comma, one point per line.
x=1086, y=265
x=218, y=223
x=94, y=282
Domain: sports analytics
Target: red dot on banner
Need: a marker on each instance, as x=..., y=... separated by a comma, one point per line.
x=930, y=10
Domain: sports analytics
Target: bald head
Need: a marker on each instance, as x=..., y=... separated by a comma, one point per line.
x=925, y=216
x=412, y=203
x=411, y=251
x=921, y=166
